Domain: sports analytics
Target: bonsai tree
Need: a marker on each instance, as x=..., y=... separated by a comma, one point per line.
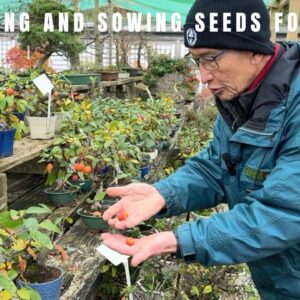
x=47, y=43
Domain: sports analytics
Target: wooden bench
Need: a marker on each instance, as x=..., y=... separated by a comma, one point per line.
x=25, y=150
x=116, y=88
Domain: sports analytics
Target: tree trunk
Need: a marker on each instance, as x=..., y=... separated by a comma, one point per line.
x=75, y=61
x=98, y=44
x=43, y=60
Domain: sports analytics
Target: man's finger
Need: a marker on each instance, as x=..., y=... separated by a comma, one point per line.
x=111, y=211
x=140, y=257
x=118, y=191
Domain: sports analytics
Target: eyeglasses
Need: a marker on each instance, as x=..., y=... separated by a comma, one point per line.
x=209, y=63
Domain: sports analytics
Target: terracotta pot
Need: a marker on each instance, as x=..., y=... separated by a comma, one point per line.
x=109, y=75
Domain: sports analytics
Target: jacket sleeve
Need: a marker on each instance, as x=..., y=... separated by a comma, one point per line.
x=196, y=185
x=265, y=224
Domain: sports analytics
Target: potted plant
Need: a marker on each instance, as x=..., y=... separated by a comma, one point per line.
x=40, y=124
x=82, y=173
x=109, y=73
x=11, y=127
x=58, y=188
x=134, y=71
x=80, y=79
x=24, y=247
x=91, y=213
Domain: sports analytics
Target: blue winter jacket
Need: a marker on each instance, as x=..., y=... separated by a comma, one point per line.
x=256, y=170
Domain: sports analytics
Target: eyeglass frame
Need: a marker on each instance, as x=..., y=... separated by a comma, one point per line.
x=214, y=58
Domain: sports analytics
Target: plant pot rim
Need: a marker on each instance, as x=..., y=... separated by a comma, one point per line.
x=81, y=214
x=52, y=116
x=9, y=129
x=82, y=74
x=113, y=72
x=47, y=282
x=76, y=189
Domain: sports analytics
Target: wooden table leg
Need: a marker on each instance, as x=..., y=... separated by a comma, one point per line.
x=3, y=192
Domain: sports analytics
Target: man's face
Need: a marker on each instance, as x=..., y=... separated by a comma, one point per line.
x=233, y=74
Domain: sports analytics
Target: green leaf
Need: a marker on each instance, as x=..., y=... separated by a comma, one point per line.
x=208, y=289
x=42, y=209
x=14, y=214
x=41, y=238
x=23, y=293
x=12, y=274
x=47, y=224
x=31, y=223
x=34, y=294
x=69, y=220
x=149, y=143
x=104, y=269
x=7, y=284
x=108, y=144
x=100, y=196
x=6, y=221
x=195, y=291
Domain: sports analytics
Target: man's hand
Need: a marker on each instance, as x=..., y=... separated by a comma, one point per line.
x=143, y=248
x=138, y=203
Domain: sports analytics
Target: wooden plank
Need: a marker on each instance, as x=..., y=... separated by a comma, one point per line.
x=283, y=3
x=108, y=83
x=3, y=192
x=294, y=7
x=19, y=185
x=273, y=11
x=24, y=150
x=29, y=167
x=37, y=196
x=82, y=267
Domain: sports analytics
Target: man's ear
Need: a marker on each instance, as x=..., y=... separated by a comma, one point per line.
x=256, y=58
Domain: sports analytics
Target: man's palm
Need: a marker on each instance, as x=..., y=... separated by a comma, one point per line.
x=140, y=201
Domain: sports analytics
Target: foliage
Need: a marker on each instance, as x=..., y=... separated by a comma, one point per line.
x=9, y=105
x=19, y=62
x=161, y=65
x=174, y=77
x=47, y=43
x=110, y=133
x=22, y=239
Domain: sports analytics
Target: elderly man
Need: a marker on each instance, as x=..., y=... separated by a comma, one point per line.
x=252, y=163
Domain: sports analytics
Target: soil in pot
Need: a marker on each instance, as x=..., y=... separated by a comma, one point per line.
x=40, y=274
x=46, y=280
x=92, y=217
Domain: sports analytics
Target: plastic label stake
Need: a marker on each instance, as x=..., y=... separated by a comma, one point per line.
x=45, y=86
x=117, y=258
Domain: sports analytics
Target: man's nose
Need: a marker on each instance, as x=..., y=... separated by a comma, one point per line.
x=206, y=76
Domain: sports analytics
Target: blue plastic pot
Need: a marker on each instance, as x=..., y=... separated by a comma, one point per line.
x=144, y=171
x=20, y=116
x=47, y=290
x=7, y=142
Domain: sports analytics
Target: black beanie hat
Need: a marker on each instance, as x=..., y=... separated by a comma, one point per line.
x=258, y=42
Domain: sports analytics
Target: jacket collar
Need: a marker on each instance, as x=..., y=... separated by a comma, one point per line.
x=252, y=109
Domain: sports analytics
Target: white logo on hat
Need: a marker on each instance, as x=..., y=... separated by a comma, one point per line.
x=191, y=36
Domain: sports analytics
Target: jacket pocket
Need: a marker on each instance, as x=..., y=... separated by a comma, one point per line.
x=253, y=178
